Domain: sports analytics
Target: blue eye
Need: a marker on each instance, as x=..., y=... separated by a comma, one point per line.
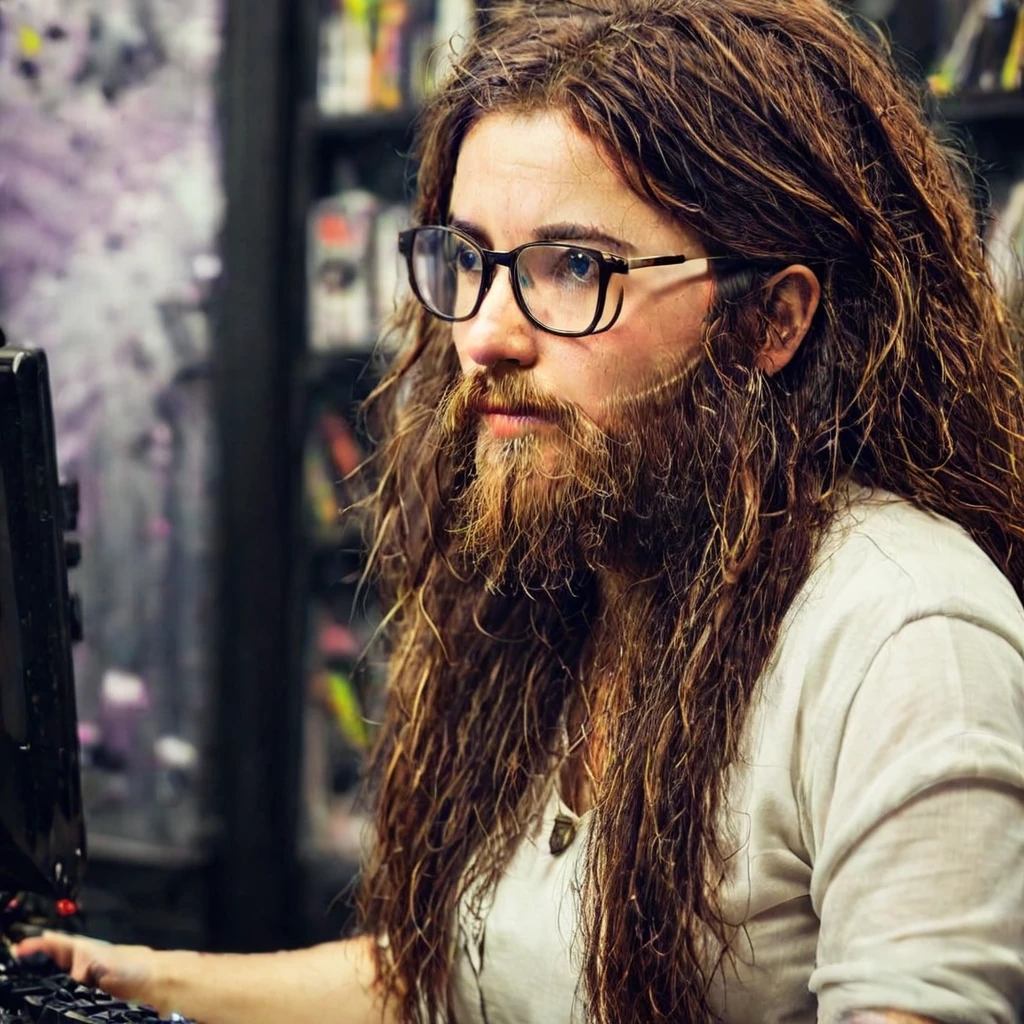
x=581, y=265
x=467, y=260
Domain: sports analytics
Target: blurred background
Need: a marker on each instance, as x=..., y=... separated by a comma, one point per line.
x=198, y=208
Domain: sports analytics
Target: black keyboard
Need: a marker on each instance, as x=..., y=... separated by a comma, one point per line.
x=34, y=991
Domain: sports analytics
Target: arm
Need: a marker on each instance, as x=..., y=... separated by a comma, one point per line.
x=333, y=983
x=916, y=816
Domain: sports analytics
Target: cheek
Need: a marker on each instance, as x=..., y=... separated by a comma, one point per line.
x=675, y=330
x=675, y=327
x=459, y=342
x=647, y=344
x=590, y=376
x=654, y=339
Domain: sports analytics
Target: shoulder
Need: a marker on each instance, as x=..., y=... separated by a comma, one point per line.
x=904, y=620
x=883, y=565
x=912, y=563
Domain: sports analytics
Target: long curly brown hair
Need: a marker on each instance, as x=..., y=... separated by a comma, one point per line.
x=781, y=134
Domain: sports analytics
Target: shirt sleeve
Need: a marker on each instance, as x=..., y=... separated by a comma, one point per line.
x=917, y=825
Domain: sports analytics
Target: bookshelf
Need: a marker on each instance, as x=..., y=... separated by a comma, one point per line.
x=978, y=74
x=350, y=176
x=996, y=110
x=990, y=127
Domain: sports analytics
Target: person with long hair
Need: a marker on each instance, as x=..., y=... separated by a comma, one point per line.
x=698, y=512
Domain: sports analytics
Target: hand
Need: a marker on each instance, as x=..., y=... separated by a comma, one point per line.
x=332, y=982
x=125, y=972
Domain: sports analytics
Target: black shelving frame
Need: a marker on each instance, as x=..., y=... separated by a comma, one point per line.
x=255, y=884
x=984, y=109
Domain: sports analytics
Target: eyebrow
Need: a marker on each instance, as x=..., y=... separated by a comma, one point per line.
x=564, y=232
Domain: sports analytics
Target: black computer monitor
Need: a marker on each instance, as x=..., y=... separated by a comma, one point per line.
x=42, y=832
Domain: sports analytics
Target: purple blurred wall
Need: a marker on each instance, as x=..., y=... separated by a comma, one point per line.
x=110, y=207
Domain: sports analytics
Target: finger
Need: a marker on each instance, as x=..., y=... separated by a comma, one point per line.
x=47, y=941
x=92, y=972
x=89, y=966
x=60, y=950
x=123, y=980
x=29, y=946
x=48, y=938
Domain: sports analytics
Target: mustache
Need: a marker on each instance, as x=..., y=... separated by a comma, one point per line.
x=515, y=393
x=511, y=394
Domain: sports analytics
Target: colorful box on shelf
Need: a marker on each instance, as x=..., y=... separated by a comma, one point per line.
x=385, y=54
x=987, y=54
x=354, y=273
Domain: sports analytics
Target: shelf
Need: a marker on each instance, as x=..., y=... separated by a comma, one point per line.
x=358, y=127
x=983, y=108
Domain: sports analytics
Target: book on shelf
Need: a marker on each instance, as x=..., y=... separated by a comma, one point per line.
x=337, y=733
x=987, y=51
x=1005, y=243
x=385, y=54
x=331, y=455
x=355, y=277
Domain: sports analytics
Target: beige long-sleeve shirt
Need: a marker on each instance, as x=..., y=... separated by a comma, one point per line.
x=879, y=811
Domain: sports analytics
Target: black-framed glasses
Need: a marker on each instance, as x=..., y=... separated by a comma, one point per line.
x=560, y=287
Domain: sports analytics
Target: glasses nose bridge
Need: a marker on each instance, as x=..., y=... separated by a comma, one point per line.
x=494, y=259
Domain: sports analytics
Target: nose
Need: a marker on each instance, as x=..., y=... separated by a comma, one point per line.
x=499, y=333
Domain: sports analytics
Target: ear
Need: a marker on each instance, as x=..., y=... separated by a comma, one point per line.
x=792, y=300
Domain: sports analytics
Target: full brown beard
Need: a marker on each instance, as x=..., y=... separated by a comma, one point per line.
x=544, y=510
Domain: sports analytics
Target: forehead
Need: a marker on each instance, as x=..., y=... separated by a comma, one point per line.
x=516, y=170
x=536, y=145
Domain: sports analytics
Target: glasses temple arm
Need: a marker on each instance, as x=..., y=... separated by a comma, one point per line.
x=639, y=262
x=656, y=261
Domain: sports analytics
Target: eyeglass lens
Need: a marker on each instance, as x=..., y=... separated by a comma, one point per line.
x=560, y=285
